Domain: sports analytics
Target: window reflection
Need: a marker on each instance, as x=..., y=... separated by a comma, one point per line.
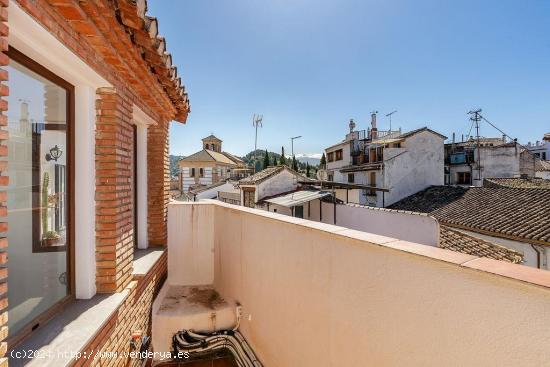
x=37, y=195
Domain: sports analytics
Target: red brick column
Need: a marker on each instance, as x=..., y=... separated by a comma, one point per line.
x=114, y=198
x=4, y=181
x=158, y=176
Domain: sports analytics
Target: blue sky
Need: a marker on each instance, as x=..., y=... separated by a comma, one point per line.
x=310, y=65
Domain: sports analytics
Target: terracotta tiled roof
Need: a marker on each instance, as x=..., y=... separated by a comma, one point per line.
x=267, y=173
x=518, y=183
x=143, y=31
x=425, y=128
x=262, y=175
x=520, y=214
x=454, y=240
x=234, y=158
x=542, y=166
x=206, y=155
x=212, y=137
x=127, y=39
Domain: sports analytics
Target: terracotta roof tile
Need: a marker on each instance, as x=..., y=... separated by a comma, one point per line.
x=143, y=31
x=454, y=240
x=522, y=214
x=518, y=183
x=267, y=173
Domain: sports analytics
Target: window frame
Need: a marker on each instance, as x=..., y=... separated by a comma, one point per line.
x=44, y=317
x=339, y=155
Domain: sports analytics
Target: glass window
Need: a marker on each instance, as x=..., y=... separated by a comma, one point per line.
x=38, y=195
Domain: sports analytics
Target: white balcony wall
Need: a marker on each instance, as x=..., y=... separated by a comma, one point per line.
x=314, y=294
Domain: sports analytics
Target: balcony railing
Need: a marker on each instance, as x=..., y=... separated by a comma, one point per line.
x=314, y=294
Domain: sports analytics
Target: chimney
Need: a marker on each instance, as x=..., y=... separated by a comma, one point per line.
x=453, y=138
x=351, y=125
x=374, y=130
x=504, y=138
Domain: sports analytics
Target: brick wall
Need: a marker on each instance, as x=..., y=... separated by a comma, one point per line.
x=70, y=21
x=114, y=195
x=134, y=314
x=158, y=176
x=4, y=180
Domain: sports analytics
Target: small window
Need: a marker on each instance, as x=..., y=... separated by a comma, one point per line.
x=339, y=155
x=543, y=156
x=201, y=172
x=331, y=177
x=463, y=178
x=351, y=178
x=372, y=183
x=192, y=172
x=330, y=157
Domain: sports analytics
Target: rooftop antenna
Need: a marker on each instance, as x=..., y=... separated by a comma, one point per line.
x=475, y=117
x=389, y=115
x=292, y=142
x=256, y=122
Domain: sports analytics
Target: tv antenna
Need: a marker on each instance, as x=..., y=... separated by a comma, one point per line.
x=256, y=122
x=389, y=115
x=475, y=117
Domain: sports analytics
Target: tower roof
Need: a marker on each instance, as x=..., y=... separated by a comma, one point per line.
x=211, y=137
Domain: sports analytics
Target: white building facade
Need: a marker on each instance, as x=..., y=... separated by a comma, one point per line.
x=468, y=163
x=390, y=164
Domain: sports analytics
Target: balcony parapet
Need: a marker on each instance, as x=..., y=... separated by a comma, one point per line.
x=315, y=294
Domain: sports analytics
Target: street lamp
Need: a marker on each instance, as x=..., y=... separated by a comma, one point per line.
x=292, y=142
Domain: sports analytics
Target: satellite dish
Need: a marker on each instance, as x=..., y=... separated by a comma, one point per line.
x=322, y=175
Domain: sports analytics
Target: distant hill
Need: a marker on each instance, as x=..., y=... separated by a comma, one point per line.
x=313, y=161
x=249, y=158
x=174, y=167
x=274, y=158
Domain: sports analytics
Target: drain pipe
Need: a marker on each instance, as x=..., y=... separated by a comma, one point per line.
x=538, y=255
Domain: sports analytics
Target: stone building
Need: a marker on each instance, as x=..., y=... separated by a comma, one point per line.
x=209, y=166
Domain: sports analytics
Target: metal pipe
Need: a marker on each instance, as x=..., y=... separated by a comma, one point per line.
x=538, y=255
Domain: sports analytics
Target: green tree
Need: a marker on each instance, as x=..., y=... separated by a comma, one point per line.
x=323, y=163
x=282, y=160
x=307, y=169
x=266, y=159
x=294, y=163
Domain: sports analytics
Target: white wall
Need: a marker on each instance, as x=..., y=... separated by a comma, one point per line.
x=207, y=179
x=274, y=208
x=321, y=295
x=412, y=168
x=405, y=226
x=503, y=161
x=335, y=166
x=283, y=181
x=529, y=254
x=193, y=263
x=212, y=193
